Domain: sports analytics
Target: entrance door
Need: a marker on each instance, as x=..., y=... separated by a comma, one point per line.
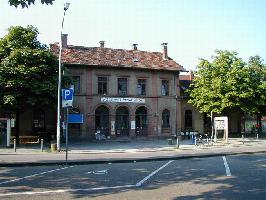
x=122, y=121
x=3, y=132
x=102, y=120
x=141, y=121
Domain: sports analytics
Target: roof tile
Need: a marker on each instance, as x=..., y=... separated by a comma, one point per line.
x=115, y=58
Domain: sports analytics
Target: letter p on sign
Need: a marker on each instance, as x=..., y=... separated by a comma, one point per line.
x=67, y=94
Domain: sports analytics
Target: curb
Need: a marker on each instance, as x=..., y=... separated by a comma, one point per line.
x=125, y=160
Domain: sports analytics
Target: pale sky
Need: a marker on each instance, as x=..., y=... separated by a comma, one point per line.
x=192, y=28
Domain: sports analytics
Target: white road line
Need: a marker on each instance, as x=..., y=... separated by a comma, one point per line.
x=67, y=190
x=100, y=172
x=227, y=169
x=33, y=175
x=261, y=160
x=150, y=175
x=79, y=190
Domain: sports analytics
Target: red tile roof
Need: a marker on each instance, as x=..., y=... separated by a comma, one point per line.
x=185, y=77
x=116, y=58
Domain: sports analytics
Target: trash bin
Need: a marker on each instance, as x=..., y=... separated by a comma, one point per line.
x=170, y=141
x=53, y=147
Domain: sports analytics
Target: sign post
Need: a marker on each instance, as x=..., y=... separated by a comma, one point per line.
x=67, y=101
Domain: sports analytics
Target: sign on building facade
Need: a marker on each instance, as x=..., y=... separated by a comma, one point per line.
x=121, y=100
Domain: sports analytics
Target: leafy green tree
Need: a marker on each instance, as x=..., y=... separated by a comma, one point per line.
x=27, y=3
x=227, y=83
x=28, y=71
x=257, y=71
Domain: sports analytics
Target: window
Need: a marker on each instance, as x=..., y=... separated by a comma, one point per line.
x=122, y=86
x=165, y=88
x=166, y=118
x=76, y=83
x=188, y=119
x=102, y=85
x=141, y=87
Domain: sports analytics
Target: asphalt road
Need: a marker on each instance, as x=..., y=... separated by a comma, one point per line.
x=231, y=177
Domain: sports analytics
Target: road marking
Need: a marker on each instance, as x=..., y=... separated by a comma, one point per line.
x=79, y=190
x=153, y=173
x=33, y=175
x=227, y=169
x=100, y=172
x=68, y=190
x=261, y=160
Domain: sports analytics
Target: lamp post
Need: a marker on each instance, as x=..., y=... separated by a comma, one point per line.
x=58, y=126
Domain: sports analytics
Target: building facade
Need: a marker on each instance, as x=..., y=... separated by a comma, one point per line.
x=123, y=92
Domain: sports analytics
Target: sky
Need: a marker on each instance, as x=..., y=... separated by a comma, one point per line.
x=193, y=29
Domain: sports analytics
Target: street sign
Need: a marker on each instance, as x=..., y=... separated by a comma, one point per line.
x=67, y=97
x=67, y=94
x=75, y=118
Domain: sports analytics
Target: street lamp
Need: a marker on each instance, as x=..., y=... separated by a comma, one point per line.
x=58, y=126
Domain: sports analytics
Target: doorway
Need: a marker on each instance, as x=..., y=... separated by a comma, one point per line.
x=102, y=120
x=141, y=121
x=122, y=121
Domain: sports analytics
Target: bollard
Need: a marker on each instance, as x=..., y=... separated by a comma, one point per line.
x=257, y=136
x=195, y=140
x=15, y=145
x=243, y=139
x=41, y=145
x=177, y=142
x=53, y=147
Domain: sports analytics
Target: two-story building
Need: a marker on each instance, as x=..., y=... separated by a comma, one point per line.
x=123, y=92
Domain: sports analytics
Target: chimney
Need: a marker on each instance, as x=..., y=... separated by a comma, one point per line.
x=191, y=75
x=102, y=44
x=165, y=55
x=64, y=40
x=135, y=46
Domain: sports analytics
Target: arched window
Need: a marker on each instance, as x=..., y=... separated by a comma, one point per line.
x=166, y=118
x=188, y=119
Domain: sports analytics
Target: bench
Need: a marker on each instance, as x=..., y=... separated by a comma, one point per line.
x=27, y=139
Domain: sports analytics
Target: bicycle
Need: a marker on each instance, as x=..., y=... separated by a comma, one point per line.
x=203, y=139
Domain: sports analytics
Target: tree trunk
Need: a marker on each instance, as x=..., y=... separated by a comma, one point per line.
x=259, y=123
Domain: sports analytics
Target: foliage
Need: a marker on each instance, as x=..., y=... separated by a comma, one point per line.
x=227, y=82
x=28, y=70
x=257, y=79
x=27, y=3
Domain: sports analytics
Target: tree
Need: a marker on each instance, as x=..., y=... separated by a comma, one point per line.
x=226, y=83
x=28, y=71
x=257, y=71
x=27, y=3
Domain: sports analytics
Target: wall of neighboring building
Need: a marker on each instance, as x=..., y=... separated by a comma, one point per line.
x=197, y=117
x=88, y=100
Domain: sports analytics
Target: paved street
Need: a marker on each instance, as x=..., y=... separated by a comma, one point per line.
x=113, y=151
x=221, y=177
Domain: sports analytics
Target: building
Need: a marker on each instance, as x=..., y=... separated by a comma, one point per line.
x=191, y=118
x=123, y=92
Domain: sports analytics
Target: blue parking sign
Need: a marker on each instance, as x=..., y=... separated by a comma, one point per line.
x=67, y=94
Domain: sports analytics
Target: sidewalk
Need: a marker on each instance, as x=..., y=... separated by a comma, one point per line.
x=126, y=151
